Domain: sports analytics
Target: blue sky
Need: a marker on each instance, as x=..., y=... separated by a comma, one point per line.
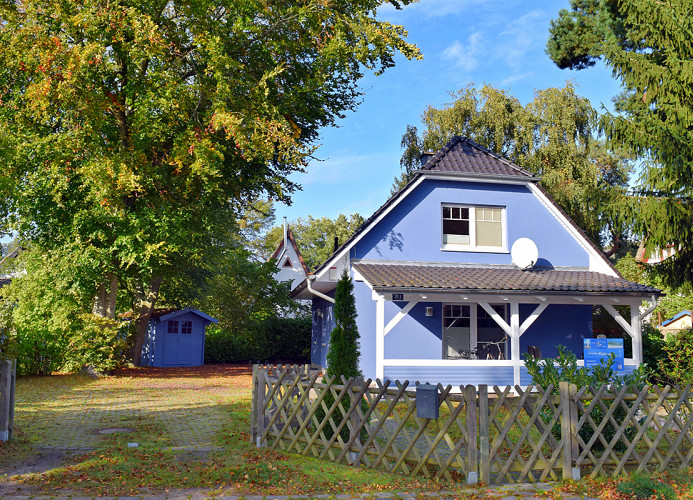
x=500, y=42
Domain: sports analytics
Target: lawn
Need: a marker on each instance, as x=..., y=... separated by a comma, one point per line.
x=191, y=426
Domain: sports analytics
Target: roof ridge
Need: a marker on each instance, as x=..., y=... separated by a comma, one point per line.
x=498, y=157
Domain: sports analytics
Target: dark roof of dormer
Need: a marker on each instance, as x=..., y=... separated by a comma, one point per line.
x=464, y=156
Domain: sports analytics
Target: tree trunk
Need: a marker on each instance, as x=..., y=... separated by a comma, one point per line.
x=105, y=300
x=143, y=310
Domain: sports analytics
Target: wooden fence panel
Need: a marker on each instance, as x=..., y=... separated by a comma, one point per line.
x=7, y=391
x=501, y=435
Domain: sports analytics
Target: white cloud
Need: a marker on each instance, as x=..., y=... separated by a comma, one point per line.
x=526, y=34
x=428, y=9
x=464, y=56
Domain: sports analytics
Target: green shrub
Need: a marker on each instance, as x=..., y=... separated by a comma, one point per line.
x=677, y=367
x=564, y=368
x=285, y=340
x=644, y=487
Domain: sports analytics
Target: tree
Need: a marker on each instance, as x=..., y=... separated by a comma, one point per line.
x=133, y=132
x=314, y=237
x=552, y=136
x=648, y=46
x=343, y=352
x=660, y=129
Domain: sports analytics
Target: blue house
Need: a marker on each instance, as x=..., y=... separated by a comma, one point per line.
x=466, y=268
x=176, y=337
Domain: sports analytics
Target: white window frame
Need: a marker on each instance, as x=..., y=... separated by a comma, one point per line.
x=473, y=326
x=472, y=247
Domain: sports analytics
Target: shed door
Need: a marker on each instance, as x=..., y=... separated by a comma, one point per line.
x=178, y=349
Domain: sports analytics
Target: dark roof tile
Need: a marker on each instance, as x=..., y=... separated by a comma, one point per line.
x=463, y=155
x=483, y=279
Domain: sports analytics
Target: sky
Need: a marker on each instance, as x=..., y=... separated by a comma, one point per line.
x=499, y=42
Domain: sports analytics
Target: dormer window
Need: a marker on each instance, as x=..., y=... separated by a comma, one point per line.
x=474, y=228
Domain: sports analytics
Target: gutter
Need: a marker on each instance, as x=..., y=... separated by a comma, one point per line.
x=309, y=279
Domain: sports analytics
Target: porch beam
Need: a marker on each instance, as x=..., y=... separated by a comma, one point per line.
x=497, y=318
x=620, y=320
x=533, y=317
x=399, y=316
x=379, y=337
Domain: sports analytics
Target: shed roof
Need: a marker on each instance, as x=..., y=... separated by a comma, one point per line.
x=676, y=316
x=511, y=280
x=178, y=312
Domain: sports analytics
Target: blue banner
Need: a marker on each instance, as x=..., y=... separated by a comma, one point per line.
x=598, y=349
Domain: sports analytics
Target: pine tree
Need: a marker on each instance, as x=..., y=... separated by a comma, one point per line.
x=343, y=353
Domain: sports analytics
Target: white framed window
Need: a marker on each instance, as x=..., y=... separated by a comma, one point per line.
x=469, y=332
x=473, y=228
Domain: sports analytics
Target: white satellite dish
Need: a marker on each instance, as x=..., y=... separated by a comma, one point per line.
x=524, y=253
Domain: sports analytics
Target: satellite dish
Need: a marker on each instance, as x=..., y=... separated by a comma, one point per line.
x=524, y=253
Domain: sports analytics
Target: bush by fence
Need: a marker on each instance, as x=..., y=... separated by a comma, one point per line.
x=490, y=434
x=274, y=339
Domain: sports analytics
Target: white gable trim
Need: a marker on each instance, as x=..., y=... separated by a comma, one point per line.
x=345, y=251
x=597, y=262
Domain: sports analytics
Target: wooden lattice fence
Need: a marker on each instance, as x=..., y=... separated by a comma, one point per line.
x=493, y=435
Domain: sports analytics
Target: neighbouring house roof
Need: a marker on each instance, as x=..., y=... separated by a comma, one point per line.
x=463, y=155
x=509, y=280
x=677, y=316
x=279, y=249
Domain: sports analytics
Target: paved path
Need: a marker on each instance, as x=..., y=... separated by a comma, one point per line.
x=190, y=411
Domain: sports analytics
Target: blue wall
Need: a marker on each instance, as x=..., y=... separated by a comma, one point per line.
x=412, y=230
x=453, y=375
x=566, y=325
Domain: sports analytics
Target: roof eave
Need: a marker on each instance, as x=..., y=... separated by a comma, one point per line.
x=477, y=176
x=484, y=291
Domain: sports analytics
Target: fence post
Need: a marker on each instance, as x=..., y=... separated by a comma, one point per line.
x=12, y=397
x=575, y=448
x=5, y=399
x=484, y=436
x=568, y=429
x=355, y=419
x=260, y=411
x=253, y=406
x=470, y=407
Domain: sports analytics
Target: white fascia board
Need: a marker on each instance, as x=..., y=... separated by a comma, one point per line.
x=345, y=251
x=442, y=176
x=597, y=262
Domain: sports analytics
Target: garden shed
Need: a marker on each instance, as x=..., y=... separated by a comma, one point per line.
x=176, y=337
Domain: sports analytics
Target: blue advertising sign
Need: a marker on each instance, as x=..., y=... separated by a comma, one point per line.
x=598, y=349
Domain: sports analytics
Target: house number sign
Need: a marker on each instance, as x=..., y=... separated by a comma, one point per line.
x=397, y=296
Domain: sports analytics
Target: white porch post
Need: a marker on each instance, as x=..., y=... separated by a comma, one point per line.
x=637, y=333
x=515, y=340
x=379, y=336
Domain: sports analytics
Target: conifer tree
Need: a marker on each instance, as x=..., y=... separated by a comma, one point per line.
x=343, y=353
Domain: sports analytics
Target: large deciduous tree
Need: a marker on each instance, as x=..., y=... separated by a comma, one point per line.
x=133, y=131
x=551, y=136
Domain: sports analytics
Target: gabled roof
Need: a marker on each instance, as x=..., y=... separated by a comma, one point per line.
x=178, y=312
x=292, y=240
x=463, y=155
x=511, y=280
